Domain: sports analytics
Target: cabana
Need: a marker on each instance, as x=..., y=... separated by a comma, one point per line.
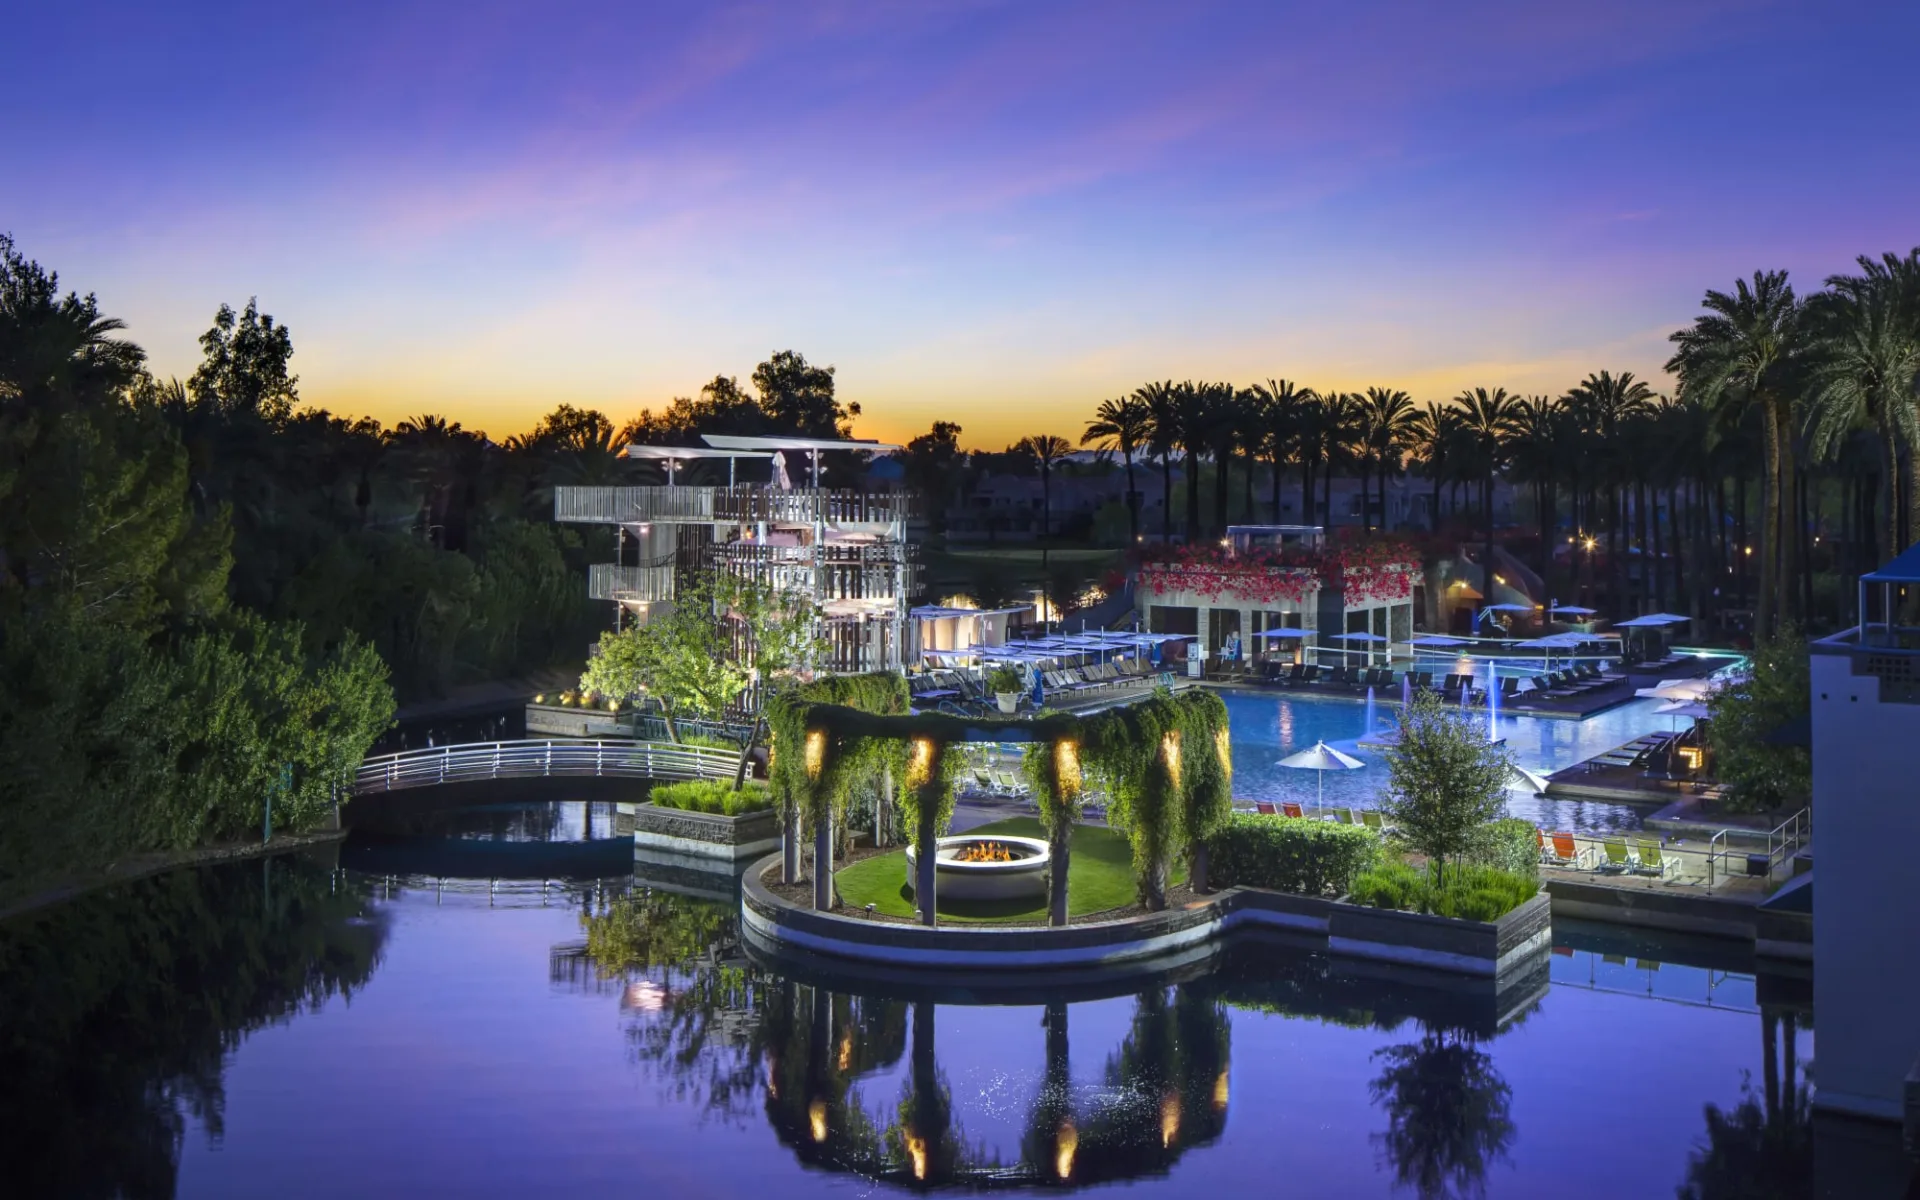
x=1652, y=632
x=1901, y=573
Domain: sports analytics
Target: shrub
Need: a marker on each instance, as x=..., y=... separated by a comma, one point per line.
x=1470, y=893
x=711, y=796
x=1315, y=858
x=1511, y=845
x=1005, y=679
x=1388, y=884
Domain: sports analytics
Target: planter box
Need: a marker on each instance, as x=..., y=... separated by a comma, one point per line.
x=706, y=835
x=553, y=720
x=1444, y=943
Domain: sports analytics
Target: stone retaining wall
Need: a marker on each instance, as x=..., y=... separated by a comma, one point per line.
x=705, y=835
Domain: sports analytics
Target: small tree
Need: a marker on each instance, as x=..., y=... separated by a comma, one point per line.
x=681, y=659
x=779, y=637
x=1445, y=782
x=1760, y=775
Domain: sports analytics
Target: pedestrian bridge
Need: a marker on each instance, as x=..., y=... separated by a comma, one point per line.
x=549, y=757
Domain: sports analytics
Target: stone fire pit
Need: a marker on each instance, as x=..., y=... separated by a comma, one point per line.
x=986, y=867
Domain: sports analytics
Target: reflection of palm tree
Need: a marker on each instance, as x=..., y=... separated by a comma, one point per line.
x=1447, y=1114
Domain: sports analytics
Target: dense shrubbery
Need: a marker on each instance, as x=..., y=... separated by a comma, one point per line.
x=1509, y=844
x=715, y=796
x=1314, y=858
x=1759, y=774
x=1470, y=893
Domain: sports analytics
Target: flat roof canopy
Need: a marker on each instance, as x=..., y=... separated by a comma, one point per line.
x=688, y=453
x=728, y=441
x=1653, y=621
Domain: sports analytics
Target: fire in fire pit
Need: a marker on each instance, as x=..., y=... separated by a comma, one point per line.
x=989, y=852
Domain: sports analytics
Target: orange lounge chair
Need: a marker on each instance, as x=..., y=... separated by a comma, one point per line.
x=1567, y=852
x=1265, y=808
x=1290, y=809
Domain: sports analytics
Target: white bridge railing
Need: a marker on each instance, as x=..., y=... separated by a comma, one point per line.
x=537, y=759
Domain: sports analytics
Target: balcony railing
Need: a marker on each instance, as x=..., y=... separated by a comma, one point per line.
x=748, y=503
x=606, y=581
x=1889, y=653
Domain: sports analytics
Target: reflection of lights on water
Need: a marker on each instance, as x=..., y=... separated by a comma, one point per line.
x=1068, y=1142
x=917, y=1151
x=773, y=1081
x=846, y=1051
x=1220, y=1092
x=1169, y=1119
x=644, y=995
x=817, y=1117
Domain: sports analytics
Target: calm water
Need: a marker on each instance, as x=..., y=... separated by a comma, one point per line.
x=1266, y=728
x=296, y=1029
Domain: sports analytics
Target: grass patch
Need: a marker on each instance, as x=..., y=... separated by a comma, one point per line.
x=1100, y=877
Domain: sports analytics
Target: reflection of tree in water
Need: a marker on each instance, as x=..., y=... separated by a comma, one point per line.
x=117, y=1011
x=1761, y=1148
x=1447, y=1113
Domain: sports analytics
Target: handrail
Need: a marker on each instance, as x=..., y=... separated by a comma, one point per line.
x=541, y=758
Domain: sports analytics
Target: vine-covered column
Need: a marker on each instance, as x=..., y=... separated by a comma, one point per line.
x=930, y=795
x=1206, y=776
x=1053, y=772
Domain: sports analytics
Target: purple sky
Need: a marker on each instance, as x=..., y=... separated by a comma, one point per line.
x=997, y=213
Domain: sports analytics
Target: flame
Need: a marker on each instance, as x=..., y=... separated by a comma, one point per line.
x=1068, y=1141
x=917, y=1151
x=1220, y=1092
x=1169, y=1119
x=817, y=1117
x=980, y=852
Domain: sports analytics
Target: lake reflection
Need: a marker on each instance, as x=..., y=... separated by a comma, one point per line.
x=297, y=1029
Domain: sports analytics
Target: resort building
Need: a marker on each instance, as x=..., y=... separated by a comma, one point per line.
x=1866, y=817
x=1282, y=590
x=847, y=550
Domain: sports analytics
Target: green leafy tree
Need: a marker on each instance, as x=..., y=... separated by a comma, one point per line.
x=932, y=467
x=797, y=397
x=245, y=371
x=1759, y=775
x=1446, y=782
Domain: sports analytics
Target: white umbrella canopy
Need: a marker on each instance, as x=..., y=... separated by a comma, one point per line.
x=1320, y=758
x=1522, y=776
x=1677, y=689
x=1683, y=708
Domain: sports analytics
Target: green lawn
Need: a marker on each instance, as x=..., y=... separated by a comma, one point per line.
x=1100, y=878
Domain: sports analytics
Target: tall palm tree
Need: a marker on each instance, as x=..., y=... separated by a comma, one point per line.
x=1388, y=422
x=1163, y=438
x=1434, y=430
x=1276, y=405
x=1742, y=353
x=1607, y=404
x=1485, y=417
x=1194, y=431
x=1864, y=371
x=1045, y=449
x=1221, y=415
x=1126, y=425
x=1536, y=437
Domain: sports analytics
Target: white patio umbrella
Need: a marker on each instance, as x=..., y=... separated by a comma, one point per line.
x=1320, y=758
x=1677, y=689
x=1523, y=776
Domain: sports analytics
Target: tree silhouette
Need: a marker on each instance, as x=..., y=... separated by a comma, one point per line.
x=1447, y=1114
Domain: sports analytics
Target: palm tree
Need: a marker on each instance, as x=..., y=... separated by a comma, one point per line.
x=1435, y=428
x=1045, y=449
x=1193, y=430
x=1388, y=421
x=1126, y=425
x=437, y=455
x=1163, y=438
x=1276, y=406
x=1607, y=403
x=1536, y=436
x=1741, y=354
x=1485, y=417
x=1221, y=416
x=1863, y=374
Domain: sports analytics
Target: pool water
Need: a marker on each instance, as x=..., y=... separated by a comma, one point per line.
x=1268, y=727
x=292, y=1029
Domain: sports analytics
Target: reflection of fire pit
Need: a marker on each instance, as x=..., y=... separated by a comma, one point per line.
x=986, y=868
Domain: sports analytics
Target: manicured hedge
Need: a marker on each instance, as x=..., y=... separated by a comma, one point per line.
x=712, y=796
x=1511, y=845
x=1471, y=893
x=1289, y=854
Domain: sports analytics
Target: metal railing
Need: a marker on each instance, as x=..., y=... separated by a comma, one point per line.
x=541, y=759
x=607, y=581
x=744, y=503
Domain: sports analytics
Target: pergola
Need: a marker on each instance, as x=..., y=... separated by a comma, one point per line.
x=810, y=446
x=673, y=456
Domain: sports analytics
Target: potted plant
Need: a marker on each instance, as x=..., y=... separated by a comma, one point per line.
x=1006, y=683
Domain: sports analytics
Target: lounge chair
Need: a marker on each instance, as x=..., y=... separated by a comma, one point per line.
x=1008, y=783
x=1563, y=851
x=1619, y=858
x=1653, y=861
x=1342, y=816
x=1372, y=819
x=1288, y=808
x=1510, y=688
x=1312, y=675
x=1422, y=681
x=1451, y=685
x=984, y=781
x=1265, y=808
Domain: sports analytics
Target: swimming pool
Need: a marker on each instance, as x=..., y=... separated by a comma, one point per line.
x=1268, y=727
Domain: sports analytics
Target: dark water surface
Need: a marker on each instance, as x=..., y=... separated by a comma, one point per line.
x=296, y=1028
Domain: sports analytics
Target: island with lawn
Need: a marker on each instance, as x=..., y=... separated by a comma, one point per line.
x=1167, y=870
